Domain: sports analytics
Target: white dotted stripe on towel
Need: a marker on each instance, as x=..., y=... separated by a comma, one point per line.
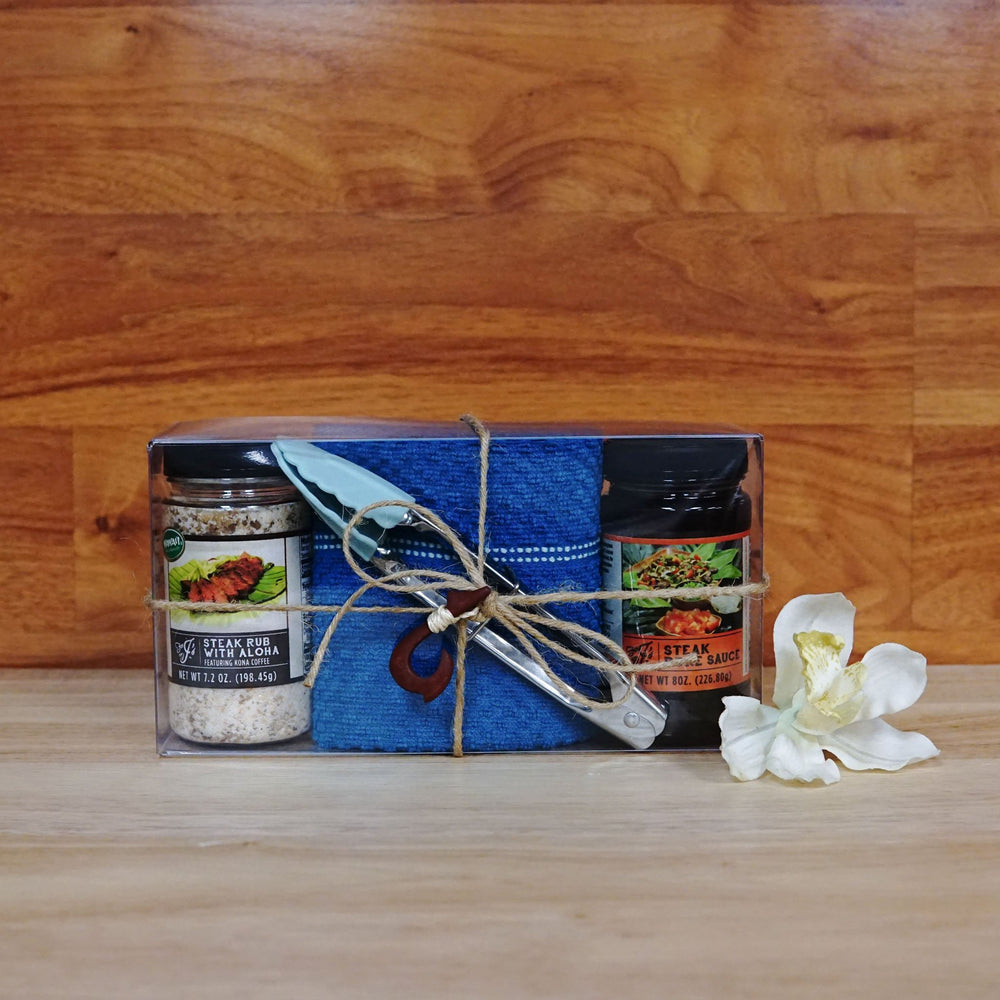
x=582, y=547
x=558, y=553
x=570, y=551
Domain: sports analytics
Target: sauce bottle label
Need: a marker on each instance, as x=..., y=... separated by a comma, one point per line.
x=653, y=629
x=238, y=649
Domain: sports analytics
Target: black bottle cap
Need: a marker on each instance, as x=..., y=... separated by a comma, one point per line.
x=225, y=460
x=693, y=461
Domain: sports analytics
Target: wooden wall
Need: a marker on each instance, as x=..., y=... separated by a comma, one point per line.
x=782, y=215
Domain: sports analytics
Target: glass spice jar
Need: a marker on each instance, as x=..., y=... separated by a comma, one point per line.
x=231, y=528
x=674, y=515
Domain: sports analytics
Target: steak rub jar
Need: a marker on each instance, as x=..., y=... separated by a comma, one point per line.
x=231, y=529
x=675, y=515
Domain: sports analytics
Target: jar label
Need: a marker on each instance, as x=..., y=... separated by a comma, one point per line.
x=653, y=629
x=237, y=649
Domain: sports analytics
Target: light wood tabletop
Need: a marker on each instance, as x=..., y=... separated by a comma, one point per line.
x=542, y=875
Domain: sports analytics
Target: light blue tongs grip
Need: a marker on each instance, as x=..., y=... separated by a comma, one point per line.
x=320, y=476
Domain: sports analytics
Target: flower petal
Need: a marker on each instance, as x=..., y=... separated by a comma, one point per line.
x=796, y=757
x=811, y=612
x=747, y=729
x=874, y=745
x=896, y=678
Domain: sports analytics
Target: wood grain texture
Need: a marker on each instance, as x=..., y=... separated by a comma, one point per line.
x=872, y=469
x=780, y=215
x=36, y=534
x=496, y=876
x=957, y=474
x=501, y=303
x=443, y=108
x=958, y=324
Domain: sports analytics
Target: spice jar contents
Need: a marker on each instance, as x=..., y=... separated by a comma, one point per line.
x=233, y=529
x=674, y=516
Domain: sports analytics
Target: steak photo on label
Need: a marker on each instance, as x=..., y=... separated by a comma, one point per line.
x=231, y=581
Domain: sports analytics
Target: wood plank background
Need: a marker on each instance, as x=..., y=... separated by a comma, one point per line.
x=782, y=215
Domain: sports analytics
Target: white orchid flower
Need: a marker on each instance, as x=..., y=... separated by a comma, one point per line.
x=823, y=703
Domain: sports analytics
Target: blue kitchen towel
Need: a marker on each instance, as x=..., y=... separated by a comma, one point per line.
x=543, y=522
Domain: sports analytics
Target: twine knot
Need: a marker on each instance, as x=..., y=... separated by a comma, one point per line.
x=442, y=618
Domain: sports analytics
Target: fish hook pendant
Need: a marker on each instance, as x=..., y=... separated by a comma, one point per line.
x=459, y=602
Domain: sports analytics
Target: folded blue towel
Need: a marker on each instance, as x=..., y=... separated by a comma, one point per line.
x=543, y=522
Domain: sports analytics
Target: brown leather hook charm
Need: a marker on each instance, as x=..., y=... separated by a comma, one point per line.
x=458, y=603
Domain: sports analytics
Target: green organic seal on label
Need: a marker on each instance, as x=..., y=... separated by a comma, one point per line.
x=173, y=544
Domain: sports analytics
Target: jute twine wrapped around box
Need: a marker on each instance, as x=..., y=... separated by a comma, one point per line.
x=513, y=612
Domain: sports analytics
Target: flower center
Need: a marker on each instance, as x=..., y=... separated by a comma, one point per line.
x=831, y=689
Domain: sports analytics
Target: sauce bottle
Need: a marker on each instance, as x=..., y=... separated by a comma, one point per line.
x=674, y=514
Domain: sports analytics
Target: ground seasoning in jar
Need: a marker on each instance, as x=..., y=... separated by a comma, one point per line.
x=232, y=528
x=674, y=515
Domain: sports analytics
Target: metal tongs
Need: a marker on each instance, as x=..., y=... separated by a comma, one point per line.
x=337, y=488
